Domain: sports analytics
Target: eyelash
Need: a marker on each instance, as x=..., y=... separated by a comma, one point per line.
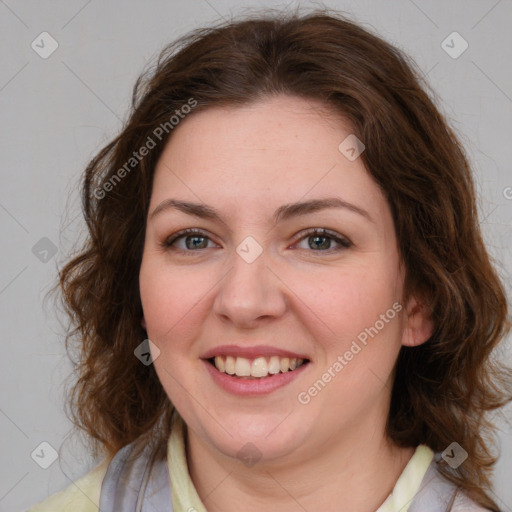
x=344, y=243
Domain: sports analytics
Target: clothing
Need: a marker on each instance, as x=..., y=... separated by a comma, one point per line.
x=81, y=496
x=414, y=490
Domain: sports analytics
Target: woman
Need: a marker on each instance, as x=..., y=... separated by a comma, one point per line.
x=284, y=300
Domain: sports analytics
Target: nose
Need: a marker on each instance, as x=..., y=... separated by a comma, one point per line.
x=250, y=293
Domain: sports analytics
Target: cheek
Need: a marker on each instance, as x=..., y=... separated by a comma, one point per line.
x=170, y=299
x=361, y=313
x=347, y=301
x=371, y=327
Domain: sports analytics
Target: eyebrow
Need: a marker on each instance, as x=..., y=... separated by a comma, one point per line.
x=284, y=212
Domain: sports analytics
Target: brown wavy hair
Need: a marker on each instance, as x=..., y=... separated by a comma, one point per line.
x=444, y=388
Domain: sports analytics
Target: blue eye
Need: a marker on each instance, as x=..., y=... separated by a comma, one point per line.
x=197, y=240
x=320, y=240
x=194, y=239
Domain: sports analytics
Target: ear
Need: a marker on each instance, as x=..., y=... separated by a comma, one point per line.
x=418, y=324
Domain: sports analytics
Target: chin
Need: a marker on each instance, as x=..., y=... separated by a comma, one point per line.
x=251, y=437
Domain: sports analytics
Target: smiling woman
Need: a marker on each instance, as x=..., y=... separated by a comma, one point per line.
x=287, y=302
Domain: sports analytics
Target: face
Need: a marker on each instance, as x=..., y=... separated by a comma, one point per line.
x=260, y=283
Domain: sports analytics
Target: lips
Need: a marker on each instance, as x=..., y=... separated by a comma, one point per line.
x=251, y=386
x=256, y=370
x=251, y=352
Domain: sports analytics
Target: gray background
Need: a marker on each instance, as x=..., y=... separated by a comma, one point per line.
x=57, y=112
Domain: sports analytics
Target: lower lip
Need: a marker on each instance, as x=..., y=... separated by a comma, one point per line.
x=252, y=387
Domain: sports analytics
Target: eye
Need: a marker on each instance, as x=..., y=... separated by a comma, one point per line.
x=188, y=241
x=193, y=240
x=321, y=239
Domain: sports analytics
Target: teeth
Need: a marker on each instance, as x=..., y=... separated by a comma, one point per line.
x=219, y=363
x=257, y=368
x=242, y=367
x=274, y=366
x=229, y=366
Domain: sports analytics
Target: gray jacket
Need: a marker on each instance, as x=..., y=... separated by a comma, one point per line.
x=143, y=485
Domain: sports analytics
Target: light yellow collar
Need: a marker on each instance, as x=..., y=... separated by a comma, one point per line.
x=186, y=499
x=409, y=481
x=184, y=494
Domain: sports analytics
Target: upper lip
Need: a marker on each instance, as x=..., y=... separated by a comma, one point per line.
x=250, y=352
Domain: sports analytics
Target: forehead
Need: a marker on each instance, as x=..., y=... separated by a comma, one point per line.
x=277, y=150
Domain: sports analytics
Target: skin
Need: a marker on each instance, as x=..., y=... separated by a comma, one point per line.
x=246, y=162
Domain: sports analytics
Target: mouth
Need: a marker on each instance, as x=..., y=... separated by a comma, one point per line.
x=256, y=368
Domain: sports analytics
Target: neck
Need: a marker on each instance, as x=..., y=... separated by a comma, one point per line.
x=357, y=460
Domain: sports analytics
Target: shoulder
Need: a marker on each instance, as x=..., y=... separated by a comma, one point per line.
x=463, y=503
x=80, y=496
x=437, y=493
